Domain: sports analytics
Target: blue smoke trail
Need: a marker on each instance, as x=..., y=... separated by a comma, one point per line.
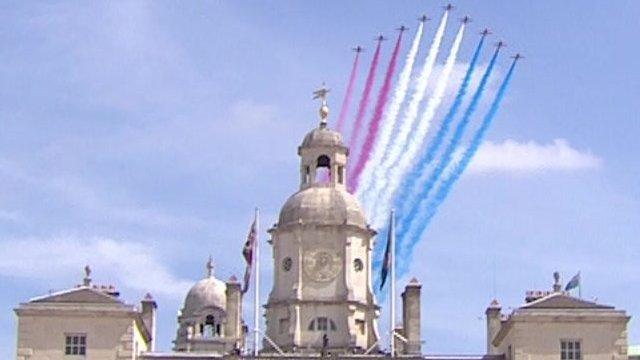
x=447, y=184
x=447, y=156
x=427, y=156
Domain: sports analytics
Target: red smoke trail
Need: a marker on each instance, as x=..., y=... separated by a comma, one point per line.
x=383, y=97
x=364, y=101
x=347, y=97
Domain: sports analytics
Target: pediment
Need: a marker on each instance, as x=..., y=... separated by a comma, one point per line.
x=78, y=295
x=563, y=301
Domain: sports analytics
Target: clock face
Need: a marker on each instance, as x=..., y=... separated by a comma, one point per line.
x=321, y=265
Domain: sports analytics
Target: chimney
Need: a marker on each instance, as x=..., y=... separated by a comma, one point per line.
x=149, y=307
x=233, y=327
x=411, y=318
x=493, y=325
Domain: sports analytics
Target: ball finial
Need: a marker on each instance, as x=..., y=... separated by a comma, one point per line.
x=321, y=94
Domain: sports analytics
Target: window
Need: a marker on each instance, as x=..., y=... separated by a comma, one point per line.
x=340, y=174
x=322, y=324
x=75, y=344
x=360, y=326
x=358, y=265
x=287, y=263
x=570, y=350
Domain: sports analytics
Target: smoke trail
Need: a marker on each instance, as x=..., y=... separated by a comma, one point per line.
x=364, y=101
x=381, y=103
x=391, y=115
x=369, y=194
x=461, y=166
x=447, y=155
x=399, y=168
x=344, y=110
x=404, y=200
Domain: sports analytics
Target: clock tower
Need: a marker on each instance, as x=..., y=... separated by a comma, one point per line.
x=322, y=253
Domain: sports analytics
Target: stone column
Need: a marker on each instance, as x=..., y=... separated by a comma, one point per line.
x=493, y=325
x=233, y=326
x=149, y=307
x=411, y=317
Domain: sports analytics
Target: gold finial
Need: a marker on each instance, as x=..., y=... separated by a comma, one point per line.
x=210, y=267
x=324, y=108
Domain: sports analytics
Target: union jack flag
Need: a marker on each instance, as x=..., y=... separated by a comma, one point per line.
x=247, y=253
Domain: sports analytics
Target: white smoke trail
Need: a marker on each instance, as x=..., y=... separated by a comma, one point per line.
x=370, y=191
x=391, y=114
x=399, y=168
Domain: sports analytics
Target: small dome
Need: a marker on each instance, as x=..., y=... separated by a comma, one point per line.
x=322, y=137
x=206, y=293
x=322, y=205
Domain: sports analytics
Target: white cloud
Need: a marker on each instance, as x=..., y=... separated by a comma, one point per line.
x=513, y=156
x=132, y=265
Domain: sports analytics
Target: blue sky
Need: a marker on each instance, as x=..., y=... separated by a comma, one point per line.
x=139, y=136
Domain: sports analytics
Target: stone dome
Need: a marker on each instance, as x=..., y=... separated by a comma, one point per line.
x=322, y=205
x=206, y=293
x=322, y=137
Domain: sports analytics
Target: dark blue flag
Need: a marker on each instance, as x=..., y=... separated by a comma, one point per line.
x=573, y=283
x=386, y=264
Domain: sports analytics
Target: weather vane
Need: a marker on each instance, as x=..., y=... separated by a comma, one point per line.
x=324, y=108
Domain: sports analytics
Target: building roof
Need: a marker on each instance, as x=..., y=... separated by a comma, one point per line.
x=322, y=205
x=559, y=307
x=322, y=137
x=561, y=300
x=205, y=294
x=80, y=294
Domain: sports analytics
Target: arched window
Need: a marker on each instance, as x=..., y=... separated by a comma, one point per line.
x=322, y=324
x=323, y=169
x=323, y=161
x=209, y=327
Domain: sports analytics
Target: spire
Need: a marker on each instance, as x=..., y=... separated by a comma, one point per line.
x=321, y=94
x=210, y=267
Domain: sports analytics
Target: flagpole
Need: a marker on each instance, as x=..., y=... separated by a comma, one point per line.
x=392, y=239
x=256, y=292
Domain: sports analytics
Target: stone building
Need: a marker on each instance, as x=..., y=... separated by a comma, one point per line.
x=87, y=321
x=553, y=325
